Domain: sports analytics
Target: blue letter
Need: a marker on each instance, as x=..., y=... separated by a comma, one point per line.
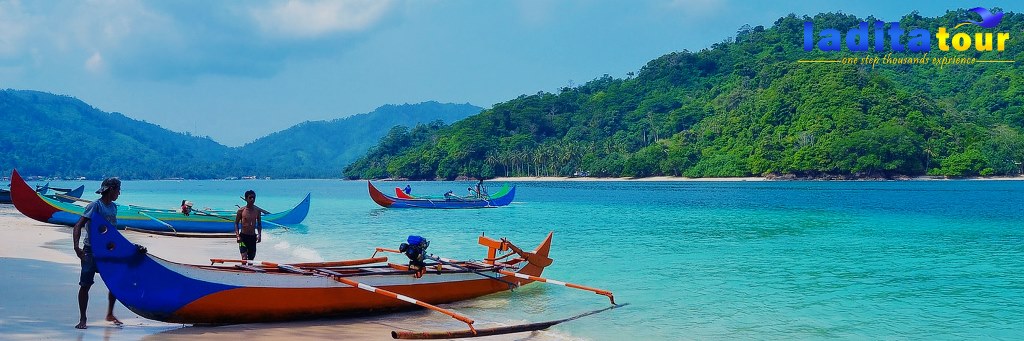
x=895, y=33
x=920, y=40
x=879, y=35
x=860, y=35
x=808, y=36
x=830, y=40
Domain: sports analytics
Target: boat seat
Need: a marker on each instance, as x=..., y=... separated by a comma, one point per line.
x=292, y=269
x=378, y=270
x=249, y=267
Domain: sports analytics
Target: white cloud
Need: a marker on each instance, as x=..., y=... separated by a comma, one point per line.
x=111, y=23
x=95, y=63
x=698, y=8
x=310, y=19
x=536, y=12
x=14, y=25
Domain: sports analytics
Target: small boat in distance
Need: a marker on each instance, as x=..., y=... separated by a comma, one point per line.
x=400, y=193
x=60, y=194
x=49, y=210
x=501, y=198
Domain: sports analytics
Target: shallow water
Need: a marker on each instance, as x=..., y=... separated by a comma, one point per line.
x=696, y=260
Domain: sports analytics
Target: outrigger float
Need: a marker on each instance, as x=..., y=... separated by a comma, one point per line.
x=219, y=293
x=173, y=222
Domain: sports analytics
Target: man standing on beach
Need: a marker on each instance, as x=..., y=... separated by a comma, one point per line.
x=109, y=190
x=248, y=226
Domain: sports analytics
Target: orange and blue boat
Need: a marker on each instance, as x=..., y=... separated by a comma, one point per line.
x=247, y=292
x=501, y=198
x=50, y=210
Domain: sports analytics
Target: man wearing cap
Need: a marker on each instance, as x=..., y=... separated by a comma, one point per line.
x=109, y=190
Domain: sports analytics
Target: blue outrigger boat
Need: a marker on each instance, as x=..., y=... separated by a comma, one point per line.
x=503, y=198
x=50, y=210
x=249, y=292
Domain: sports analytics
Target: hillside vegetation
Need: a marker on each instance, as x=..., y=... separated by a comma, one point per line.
x=745, y=107
x=61, y=136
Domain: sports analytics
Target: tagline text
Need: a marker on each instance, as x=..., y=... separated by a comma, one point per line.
x=890, y=59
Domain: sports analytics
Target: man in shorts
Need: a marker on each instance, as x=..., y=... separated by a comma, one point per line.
x=109, y=190
x=248, y=227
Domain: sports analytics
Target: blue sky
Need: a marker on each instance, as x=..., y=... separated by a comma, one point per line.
x=238, y=70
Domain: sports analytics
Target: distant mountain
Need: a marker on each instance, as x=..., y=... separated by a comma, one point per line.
x=320, y=149
x=55, y=135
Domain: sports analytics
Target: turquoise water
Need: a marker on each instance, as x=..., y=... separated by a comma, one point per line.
x=700, y=260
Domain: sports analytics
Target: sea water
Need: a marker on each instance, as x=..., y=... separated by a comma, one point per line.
x=694, y=260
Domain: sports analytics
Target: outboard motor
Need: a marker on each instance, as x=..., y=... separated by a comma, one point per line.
x=416, y=249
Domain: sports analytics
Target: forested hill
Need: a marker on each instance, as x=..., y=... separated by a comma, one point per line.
x=321, y=149
x=744, y=107
x=53, y=135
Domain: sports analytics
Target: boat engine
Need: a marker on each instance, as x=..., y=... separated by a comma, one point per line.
x=416, y=249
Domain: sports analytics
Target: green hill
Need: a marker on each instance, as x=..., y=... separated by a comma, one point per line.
x=53, y=135
x=745, y=107
x=321, y=149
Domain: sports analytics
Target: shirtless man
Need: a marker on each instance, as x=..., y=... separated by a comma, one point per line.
x=248, y=227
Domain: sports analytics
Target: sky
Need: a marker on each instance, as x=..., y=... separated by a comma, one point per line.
x=239, y=70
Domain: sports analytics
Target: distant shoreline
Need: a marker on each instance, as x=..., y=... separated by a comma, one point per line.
x=747, y=179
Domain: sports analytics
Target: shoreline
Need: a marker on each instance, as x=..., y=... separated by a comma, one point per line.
x=738, y=179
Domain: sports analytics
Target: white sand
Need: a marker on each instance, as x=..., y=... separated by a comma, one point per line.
x=737, y=179
x=653, y=178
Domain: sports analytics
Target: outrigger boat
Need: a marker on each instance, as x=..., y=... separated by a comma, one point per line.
x=247, y=292
x=502, y=198
x=400, y=193
x=60, y=194
x=49, y=210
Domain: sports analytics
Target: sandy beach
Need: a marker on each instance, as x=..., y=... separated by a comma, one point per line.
x=653, y=178
x=739, y=179
x=38, y=300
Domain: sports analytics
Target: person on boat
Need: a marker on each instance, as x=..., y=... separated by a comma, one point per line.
x=407, y=190
x=481, y=190
x=109, y=191
x=248, y=227
x=448, y=195
x=186, y=207
x=471, y=193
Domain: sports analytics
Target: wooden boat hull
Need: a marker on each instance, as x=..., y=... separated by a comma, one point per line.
x=49, y=210
x=179, y=293
x=395, y=202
